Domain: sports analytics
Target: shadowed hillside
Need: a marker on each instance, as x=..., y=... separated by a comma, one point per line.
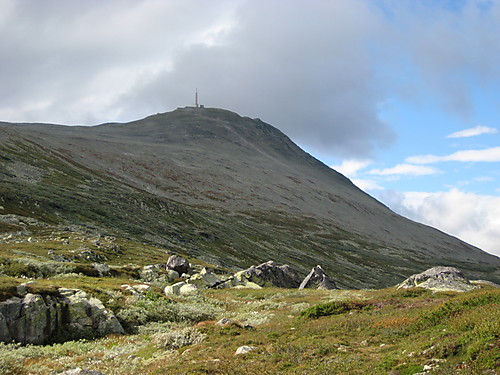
x=231, y=190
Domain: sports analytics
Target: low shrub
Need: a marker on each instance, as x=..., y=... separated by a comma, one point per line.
x=163, y=310
x=25, y=267
x=456, y=307
x=178, y=338
x=333, y=308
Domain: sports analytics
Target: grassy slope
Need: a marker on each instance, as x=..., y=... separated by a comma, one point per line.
x=43, y=184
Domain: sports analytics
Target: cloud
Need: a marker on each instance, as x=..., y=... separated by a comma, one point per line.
x=350, y=167
x=405, y=169
x=485, y=155
x=308, y=72
x=317, y=70
x=367, y=184
x=471, y=217
x=478, y=130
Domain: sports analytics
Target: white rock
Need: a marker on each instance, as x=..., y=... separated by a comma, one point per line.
x=188, y=289
x=244, y=349
x=174, y=289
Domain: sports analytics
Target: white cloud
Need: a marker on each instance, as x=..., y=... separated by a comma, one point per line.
x=471, y=217
x=367, y=184
x=486, y=155
x=405, y=169
x=471, y=132
x=350, y=167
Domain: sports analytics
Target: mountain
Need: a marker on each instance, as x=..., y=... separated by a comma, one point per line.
x=230, y=190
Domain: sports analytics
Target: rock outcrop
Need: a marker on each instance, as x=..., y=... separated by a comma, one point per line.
x=439, y=279
x=68, y=314
x=265, y=275
x=317, y=279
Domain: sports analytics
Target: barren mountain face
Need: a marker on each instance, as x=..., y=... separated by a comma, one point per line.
x=225, y=188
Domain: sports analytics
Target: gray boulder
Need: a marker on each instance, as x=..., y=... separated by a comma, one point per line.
x=39, y=319
x=439, y=279
x=181, y=289
x=178, y=264
x=270, y=275
x=102, y=269
x=204, y=279
x=317, y=279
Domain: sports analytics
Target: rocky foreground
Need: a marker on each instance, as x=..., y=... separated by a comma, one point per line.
x=67, y=314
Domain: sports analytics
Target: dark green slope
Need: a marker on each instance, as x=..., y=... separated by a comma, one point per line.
x=228, y=189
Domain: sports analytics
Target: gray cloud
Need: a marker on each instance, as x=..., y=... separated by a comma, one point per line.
x=318, y=70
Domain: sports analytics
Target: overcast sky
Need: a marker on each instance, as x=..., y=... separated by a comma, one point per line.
x=402, y=96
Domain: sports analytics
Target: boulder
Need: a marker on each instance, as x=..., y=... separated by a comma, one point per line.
x=204, y=279
x=39, y=319
x=244, y=349
x=181, y=289
x=439, y=279
x=174, y=290
x=178, y=264
x=157, y=273
x=188, y=290
x=317, y=279
x=102, y=269
x=267, y=275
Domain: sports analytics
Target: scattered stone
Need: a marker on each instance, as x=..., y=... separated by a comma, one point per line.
x=244, y=349
x=181, y=289
x=174, y=290
x=90, y=255
x=204, y=279
x=59, y=258
x=224, y=321
x=158, y=273
x=22, y=290
x=485, y=282
x=439, y=279
x=79, y=371
x=317, y=279
x=188, y=290
x=178, y=264
x=173, y=275
x=102, y=269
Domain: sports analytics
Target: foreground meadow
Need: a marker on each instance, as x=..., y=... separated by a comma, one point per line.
x=286, y=331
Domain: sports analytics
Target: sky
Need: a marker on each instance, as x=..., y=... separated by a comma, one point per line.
x=401, y=96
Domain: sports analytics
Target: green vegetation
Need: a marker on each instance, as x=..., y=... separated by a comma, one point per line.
x=333, y=308
x=293, y=332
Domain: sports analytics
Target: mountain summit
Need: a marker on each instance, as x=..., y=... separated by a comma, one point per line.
x=232, y=190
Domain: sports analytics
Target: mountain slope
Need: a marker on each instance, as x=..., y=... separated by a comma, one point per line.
x=228, y=189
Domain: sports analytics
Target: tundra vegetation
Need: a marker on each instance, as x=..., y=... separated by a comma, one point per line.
x=289, y=331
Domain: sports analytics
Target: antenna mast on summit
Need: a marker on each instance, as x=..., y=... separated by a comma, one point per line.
x=196, y=99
